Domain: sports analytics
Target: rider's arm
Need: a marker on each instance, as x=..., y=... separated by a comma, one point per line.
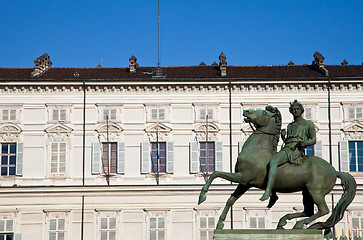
x=311, y=135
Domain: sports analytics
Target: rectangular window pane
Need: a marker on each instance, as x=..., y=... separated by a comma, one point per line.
x=261, y=222
x=5, y=115
x=104, y=223
x=253, y=222
x=152, y=223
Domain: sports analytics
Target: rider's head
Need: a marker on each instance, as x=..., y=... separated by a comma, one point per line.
x=296, y=103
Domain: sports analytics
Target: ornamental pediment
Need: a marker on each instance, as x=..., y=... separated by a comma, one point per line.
x=111, y=127
x=58, y=128
x=10, y=128
x=354, y=127
x=158, y=131
x=353, y=131
x=206, y=132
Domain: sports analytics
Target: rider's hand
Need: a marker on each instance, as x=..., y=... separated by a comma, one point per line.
x=283, y=134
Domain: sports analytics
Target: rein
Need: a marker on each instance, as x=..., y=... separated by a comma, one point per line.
x=259, y=131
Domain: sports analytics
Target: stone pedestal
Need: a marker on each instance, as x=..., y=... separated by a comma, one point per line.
x=268, y=234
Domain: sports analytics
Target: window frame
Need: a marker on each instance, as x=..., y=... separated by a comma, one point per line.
x=257, y=222
x=109, y=151
x=9, y=154
x=59, y=110
x=107, y=230
x=355, y=112
x=157, y=118
x=157, y=229
x=204, y=117
x=209, y=230
x=9, y=115
x=110, y=114
x=57, y=231
x=162, y=148
x=209, y=167
x=356, y=156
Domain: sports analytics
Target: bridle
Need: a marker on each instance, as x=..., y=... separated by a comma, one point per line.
x=259, y=131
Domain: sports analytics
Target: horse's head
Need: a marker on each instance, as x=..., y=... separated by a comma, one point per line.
x=267, y=121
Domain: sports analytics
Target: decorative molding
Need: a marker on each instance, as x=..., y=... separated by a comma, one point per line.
x=58, y=132
x=201, y=132
x=354, y=131
x=162, y=130
x=114, y=132
x=10, y=133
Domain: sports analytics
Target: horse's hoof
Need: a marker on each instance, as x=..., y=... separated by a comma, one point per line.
x=220, y=225
x=202, y=198
x=280, y=227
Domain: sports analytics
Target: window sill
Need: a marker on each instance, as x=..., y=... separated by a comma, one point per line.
x=161, y=175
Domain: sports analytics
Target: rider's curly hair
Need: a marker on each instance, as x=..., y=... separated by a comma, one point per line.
x=278, y=117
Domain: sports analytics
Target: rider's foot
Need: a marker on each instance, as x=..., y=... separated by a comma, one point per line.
x=265, y=196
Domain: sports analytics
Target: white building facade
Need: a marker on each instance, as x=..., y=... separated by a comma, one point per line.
x=190, y=118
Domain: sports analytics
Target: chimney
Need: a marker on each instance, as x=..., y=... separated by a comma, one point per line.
x=133, y=64
x=344, y=63
x=319, y=63
x=42, y=64
x=291, y=63
x=99, y=66
x=202, y=64
x=223, y=64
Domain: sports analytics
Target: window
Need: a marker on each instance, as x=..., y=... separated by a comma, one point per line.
x=6, y=229
x=207, y=156
x=355, y=113
x=257, y=222
x=109, y=157
x=157, y=114
x=57, y=229
x=206, y=228
x=157, y=228
x=59, y=114
x=158, y=151
x=108, y=228
x=357, y=223
x=308, y=113
x=315, y=150
x=8, y=159
x=204, y=112
x=356, y=156
x=8, y=115
x=110, y=113
x=58, y=158
x=149, y=156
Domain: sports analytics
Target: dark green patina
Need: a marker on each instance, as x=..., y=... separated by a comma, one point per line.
x=314, y=176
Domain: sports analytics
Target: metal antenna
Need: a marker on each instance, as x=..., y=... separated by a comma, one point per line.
x=158, y=33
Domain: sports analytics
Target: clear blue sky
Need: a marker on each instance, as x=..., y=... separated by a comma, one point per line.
x=79, y=33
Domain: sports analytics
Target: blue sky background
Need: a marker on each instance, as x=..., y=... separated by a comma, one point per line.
x=79, y=33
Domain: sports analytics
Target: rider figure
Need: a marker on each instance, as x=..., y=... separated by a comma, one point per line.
x=300, y=133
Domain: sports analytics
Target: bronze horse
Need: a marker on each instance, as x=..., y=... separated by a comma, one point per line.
x=315, y=177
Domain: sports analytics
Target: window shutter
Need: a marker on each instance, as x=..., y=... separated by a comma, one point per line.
x=194, y=157
x=351, y=113
x=63, y=115
x=161, y=114
x=219, y=156
x=18, y=236
x=121, y=157
x=170, y=157
x=96, y=158
x=105, y=114
x=202, y=113
x=5, y=115
x=55, y=115
x=318, y=149
x=19, y=158
x=240, y=146
x=344, y=156
x=210, y=113
x=145, y=157
x=154, y=114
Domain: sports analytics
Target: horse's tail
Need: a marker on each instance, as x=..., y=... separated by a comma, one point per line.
x=349, y=188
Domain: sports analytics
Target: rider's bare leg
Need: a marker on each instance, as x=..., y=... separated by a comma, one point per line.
x=279, y=159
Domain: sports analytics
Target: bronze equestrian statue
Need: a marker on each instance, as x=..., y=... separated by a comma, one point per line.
x=314, y=176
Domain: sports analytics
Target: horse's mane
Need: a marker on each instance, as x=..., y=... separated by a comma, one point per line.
x=278, y=117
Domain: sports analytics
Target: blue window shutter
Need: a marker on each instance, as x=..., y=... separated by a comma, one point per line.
x=96, y=158
x=120, y=157
x=145, y=157
x=194, y=157
x=19, y=158
x=344, y=156
x=219, y=156
x=318, y=149
x=169, y=157
x=240, y=146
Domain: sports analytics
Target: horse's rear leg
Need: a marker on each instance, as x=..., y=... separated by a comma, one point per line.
x=240, y=190
x=308, y=210
x=323, y=209
x=233, y=177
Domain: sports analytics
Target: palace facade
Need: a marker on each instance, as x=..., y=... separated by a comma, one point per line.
x=133, y=165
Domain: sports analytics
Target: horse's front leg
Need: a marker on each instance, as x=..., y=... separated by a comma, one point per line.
x=240, y=190
x=233, y=177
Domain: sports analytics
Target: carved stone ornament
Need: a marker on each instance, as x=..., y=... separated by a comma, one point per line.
x=158, y=131
x=10, y=133
x=353, y=131
x=110, y=133
x=58, y=132
x=202, y=129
